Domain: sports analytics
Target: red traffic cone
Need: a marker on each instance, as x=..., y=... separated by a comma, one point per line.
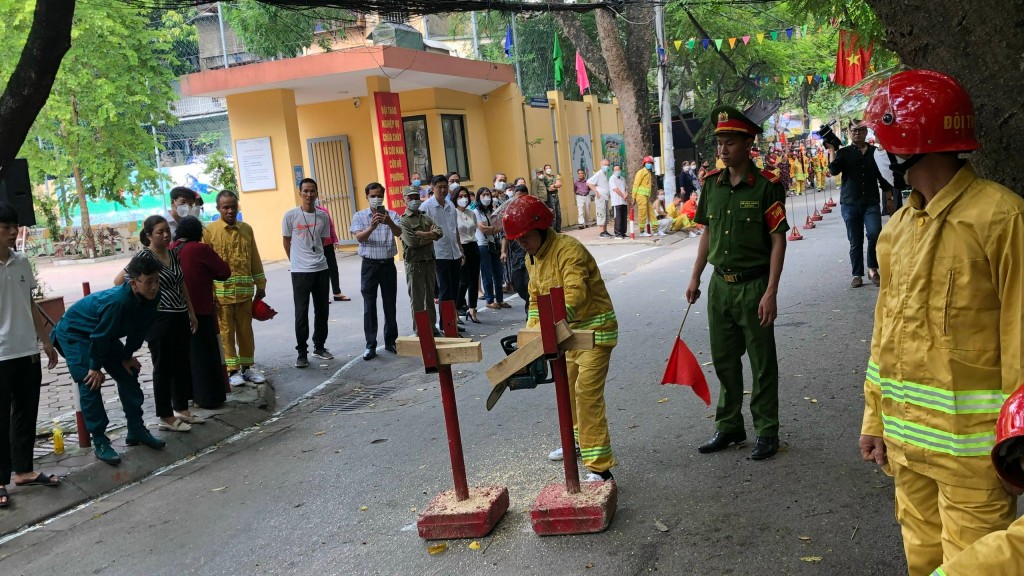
x=809, y=224
x=826, y=209
x=816, y=217
x=794, y=234
x=830, y=202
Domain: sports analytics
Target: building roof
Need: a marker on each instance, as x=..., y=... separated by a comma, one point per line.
x=342, y=74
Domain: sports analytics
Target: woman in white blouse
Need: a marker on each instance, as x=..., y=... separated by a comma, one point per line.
x=469, y=281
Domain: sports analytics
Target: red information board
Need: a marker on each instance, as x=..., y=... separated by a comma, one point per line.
x=392, y=148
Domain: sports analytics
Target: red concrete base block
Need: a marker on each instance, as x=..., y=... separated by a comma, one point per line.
x=447, y=518
x=558, y=512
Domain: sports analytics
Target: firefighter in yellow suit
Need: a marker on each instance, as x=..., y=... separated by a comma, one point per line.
x=557, y=260
x=1000, y=553
x=820, y=163
x=642, y=185
x=947, y=346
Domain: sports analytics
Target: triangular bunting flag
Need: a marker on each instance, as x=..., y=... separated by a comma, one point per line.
x=789, y=33
x=804, y=30
x=690, y=43
x=775, y=36
x=732, y=43
x=705, y=43
x=796, y=33
x=817, y=78
x=746, y=39
x=792, y=79
x=760, y=37
x=718, y=44
x=832, y=77
x=777, y=78
x=678, y=43
x=809, y=78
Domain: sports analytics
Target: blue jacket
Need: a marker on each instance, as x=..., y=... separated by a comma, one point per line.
x=104, y=318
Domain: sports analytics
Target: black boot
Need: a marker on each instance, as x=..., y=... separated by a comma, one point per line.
x=765, y=447
x=721, y=441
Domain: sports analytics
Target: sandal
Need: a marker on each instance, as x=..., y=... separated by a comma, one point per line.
x=191, y=418
x=341, y=298
x=50, y=480
x=177, y=426
x=5, y=499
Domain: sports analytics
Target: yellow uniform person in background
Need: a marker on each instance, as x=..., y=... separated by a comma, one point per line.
x=947, y=345
x=556, y=260
x=643, y=182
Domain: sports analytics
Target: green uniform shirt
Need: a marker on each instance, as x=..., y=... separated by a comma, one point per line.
x=416, y=249
x=740, y=220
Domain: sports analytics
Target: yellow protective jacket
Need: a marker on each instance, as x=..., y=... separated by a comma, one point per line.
x=642, y=182
x=946, y=349
x=237, y=246
x=563, y=261
x=997, y=554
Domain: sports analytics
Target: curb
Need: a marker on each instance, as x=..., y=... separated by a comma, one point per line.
x=35, y=504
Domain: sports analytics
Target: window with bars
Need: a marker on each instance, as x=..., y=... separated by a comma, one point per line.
x=453, y=128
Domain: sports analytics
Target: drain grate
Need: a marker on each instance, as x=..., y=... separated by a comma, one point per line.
x=359, y=399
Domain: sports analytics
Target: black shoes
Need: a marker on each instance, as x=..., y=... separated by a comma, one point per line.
x=301, y=361
x=722, y=440
x=369, y=354
x=765, y=447
x=391, y=348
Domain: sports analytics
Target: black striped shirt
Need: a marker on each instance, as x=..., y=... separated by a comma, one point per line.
x=172, y=296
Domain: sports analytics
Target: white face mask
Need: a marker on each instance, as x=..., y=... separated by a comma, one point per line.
x=376, y=201
x=547, y=171
x=454, y=187
x=463, y=202
x=182, y=210
x=485, y=200
x=509, y=193
x=499, y=186
x=414, y=205
x=617, y=173
x=195, y=211
x=661, y=196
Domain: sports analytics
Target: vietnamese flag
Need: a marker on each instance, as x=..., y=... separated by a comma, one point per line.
x=683, y=369
x=851, y=62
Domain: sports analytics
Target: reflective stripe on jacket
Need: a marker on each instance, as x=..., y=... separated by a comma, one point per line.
x=237, y=246
x=998, y=554
x=947, y=348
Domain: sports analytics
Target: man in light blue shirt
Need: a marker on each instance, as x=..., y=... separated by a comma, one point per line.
x=448, y=256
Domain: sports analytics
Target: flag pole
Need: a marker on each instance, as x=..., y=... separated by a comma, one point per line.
x=683, y=323
x=515, y=47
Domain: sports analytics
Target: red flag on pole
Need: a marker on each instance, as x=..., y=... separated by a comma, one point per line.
x=683, y=368
x=851, y=62
x=581, y=73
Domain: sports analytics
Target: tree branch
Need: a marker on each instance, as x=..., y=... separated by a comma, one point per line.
x=589, y=50
x=29, y=86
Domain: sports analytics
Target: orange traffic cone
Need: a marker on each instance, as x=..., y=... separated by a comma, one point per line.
x=794, y=234
x=809, y=224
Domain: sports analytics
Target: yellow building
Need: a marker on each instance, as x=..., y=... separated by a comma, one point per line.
x=378, y=113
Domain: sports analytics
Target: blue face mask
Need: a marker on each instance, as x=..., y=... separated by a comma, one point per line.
x=606, y=169
x=649, y=166
x=416, y=183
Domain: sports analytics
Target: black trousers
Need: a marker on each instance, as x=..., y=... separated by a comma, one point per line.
x=207, y=374
x=448, y=274
x=20, y=379
x=306, y=285
x=382, y=275
x=332, y=267
x=469, y=277
x=521, y=282
x=621, y=217
x=555, y=204
x=170, y=345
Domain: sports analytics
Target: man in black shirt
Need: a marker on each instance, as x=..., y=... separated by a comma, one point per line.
x=859, y=199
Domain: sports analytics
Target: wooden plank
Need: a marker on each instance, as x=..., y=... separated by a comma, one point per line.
x=410, y=345
x=578, y=339
x=533, y=349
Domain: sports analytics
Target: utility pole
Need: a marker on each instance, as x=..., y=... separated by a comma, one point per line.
x=668, y=157
x=223, y=42
x=476, y=36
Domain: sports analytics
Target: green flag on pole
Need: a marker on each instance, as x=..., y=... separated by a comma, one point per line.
x=557, y=57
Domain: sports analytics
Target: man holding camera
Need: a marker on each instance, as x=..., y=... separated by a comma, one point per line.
x=859, y=199
x=375, y=229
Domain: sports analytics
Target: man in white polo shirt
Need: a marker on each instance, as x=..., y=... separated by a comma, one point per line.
x=304, y=229
x=599, y=185
x=21, y=374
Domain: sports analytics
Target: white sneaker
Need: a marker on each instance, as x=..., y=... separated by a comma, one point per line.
x=237, y=379
x=596, y=477
x=660, y=233
x=645, y=235
x=252, y=375
x=558, y=455
x=693, y=235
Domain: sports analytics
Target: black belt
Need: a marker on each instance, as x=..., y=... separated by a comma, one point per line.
x=379, y=259
x=735, y=277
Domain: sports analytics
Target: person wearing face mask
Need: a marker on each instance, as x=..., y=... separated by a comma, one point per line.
x=469, y=272
x=551, y=183
x=600, y=188
x=418, y=235
x=183, y=202
x=947, y=341
x=642, y=186
x=376, y=229
x=619, y=201
x=661, y=214
x=454, y=185
x=489, y=248
x=500, y=184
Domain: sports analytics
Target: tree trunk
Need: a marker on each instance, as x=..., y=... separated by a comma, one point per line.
x=83, y=198
x=30, y=83
x=958, y=38
x=630, y=86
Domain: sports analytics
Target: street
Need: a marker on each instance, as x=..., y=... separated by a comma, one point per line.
x=324, y=489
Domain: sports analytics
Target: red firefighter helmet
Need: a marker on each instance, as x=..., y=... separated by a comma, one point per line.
x=524, y=214
x=1009, y=427
x=648, y=159
x=921, y=112
x=262, y=311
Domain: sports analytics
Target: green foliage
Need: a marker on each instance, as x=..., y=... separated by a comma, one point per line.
x=183, y=36
x=221, y=171
x=271, y=31
x=113, y=84
x=46, y=211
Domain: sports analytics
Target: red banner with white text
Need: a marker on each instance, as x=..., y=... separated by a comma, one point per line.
x=392, y=147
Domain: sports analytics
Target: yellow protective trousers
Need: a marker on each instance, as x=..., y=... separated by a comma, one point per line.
x=938, y=520
x=235, y=321
x=588, y=370
x=643, y=214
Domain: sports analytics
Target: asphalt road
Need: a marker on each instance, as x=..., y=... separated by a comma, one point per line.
x=336, y=492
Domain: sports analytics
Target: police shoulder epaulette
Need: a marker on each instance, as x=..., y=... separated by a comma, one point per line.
x=770, y=176
x=713, y=172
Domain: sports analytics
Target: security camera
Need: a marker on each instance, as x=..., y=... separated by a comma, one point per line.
x=355, y=102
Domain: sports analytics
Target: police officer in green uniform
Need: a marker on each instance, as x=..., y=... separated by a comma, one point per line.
x=418, y=235
x=744, y=211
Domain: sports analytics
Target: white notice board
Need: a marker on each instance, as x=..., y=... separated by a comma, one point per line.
x=255, y=164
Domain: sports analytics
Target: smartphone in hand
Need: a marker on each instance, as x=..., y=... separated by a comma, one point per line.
x=382, y=211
